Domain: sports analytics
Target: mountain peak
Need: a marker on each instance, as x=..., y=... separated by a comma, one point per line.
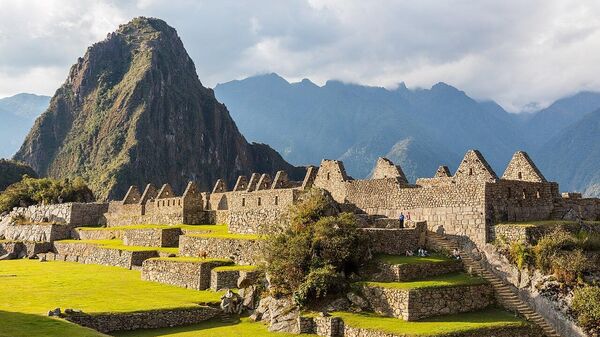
x=133, y=111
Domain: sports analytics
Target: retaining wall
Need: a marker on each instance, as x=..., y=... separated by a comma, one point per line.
x=109, y=322
x=242, y=251
x=191, y=275
x=415, y=304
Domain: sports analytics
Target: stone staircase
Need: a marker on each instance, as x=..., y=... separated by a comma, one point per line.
x=505, y=295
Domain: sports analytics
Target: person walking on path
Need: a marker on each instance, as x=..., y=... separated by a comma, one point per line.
x=401, y=218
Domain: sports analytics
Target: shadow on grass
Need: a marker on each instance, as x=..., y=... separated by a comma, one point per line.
x=200, y=329
x=17, y=324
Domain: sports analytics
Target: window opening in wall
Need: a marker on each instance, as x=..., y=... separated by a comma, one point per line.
x=243, y=202
x=470, y=171
x=179, y=202
x=328, y=175
x=520, y=175
x=537, y=193
x=509, y=192
x=524, y=194
x=276, y=200
x=259, y=201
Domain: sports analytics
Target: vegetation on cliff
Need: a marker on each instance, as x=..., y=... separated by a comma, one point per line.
x=319, y=252
x=13, y=171
x=31, y=191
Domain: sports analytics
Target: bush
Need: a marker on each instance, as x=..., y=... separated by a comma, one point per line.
x=315, y=256
x=588, y=241
x=586, y=305
x=520, y=254
x=549, y=246
x=569, y=266
x=31, y=191
x=314, y=204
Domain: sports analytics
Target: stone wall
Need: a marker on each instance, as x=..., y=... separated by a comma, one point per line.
x=96, y=234
x=152, y=237
x=17, y=250
x=511, y=200
x=393, y=241
x=73, y=214
x=186, y=274
x=109, y=322
x=409, y=272
x=415, y=304
x=577, y=208
x=92, y=254
x=224, y=279
x=242, y=251
x=37, y=232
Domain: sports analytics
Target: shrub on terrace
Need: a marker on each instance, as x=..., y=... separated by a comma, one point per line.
x=568, y=266
x=315, y=256
x=586, y=305
x=31, y=191
x=549, y=246
x=520, y=254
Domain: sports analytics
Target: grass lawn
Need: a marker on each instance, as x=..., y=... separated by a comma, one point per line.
x=118, y=244
x=448, y=280
x=243, y=328
x=30, y=286
x=16, y=324
x=442, y=325
x=401, y=259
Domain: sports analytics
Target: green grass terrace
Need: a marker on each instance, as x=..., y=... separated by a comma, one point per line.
x=441, y=281
x=118, y=244
x=401, y=259
x=448, y=325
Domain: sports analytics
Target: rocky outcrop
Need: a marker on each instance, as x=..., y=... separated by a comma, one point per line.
x=133, y=111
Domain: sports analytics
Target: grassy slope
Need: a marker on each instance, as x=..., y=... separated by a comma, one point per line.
x=400, y=259
x=491, y=318
x=244, y=328
x=448, y=280
x=16, y=324
x=29, y=286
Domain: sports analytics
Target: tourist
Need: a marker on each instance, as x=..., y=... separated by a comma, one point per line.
x=409, y=253
x=401, y=218
x=456, y=254
x=423, y=252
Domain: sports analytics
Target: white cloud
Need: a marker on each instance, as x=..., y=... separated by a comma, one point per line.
x=515, y=52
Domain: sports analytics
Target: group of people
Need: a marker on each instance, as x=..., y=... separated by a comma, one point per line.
x=421, y=252
x=403, y=218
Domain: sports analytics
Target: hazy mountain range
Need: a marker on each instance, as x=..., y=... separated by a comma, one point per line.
x=18, y=114
x=419, y=129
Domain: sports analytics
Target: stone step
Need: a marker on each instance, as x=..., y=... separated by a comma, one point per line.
x=504, y=293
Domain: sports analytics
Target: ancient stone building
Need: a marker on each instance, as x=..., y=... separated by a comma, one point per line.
x=466, y=204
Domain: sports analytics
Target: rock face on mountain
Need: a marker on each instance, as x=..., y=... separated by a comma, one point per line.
x=133, y=111
x=12, y=171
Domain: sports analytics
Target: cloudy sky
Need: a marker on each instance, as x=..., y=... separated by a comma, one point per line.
x=515, y=52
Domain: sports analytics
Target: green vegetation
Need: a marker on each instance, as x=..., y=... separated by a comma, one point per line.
x=520, y=254
x=28, y=286
x=12, y=171
x=244, y=327
x=401, y=259
x=586, y=305
x=315, y=256
x=31, y=191
x=539, y=223
x=118, y=244
x=441, y=281
x=236, y=267
x=17, y=324
x=443, y=325
x=191, y=259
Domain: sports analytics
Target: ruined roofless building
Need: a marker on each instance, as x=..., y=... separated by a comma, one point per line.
x=467, y=204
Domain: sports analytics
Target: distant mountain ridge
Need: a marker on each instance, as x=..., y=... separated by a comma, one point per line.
x=420, y=129
x=133, y=111
x=18, y=113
